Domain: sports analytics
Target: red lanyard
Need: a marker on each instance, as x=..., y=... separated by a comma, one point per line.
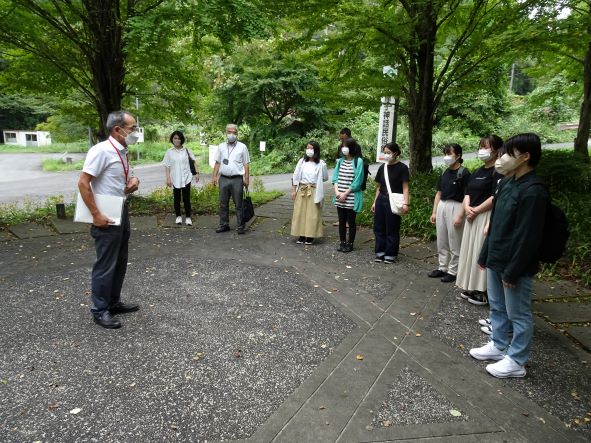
x=125, y=170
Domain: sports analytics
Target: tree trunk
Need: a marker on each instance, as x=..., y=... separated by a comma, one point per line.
x=107, y=60
x=420, y=95
x=585, y=114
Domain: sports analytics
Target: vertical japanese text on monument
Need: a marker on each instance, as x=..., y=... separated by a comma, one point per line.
x=386, y=128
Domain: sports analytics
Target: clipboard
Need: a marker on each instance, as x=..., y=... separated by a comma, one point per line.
x=109, y=205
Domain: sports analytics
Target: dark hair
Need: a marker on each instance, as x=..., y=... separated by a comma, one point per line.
x=528, y=142
x=180, y=134
x=393, y=147
x=494, y=141
x=354, y=148
x=457, y=150
x=316, y=147
x=346, y=131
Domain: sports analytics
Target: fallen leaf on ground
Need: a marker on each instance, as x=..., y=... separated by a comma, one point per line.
x=542, y=420
x=455, y=413
x=525, y=414
x=418, y=334
x=75, y=411
x=237, y=353
x=53, y=406
x=359, y=357
x=413, y=313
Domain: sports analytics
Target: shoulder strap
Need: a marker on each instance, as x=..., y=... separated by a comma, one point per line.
x=461, y=171
x=387, y=178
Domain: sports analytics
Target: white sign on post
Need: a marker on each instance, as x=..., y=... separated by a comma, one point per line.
x=262, y=146
x=386, y=129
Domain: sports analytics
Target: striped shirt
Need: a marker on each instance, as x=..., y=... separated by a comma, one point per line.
x=346, y=175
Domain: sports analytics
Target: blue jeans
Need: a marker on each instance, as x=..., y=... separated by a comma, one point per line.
x=511, y=308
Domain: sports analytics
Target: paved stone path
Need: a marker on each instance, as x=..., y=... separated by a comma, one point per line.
x=254, y=337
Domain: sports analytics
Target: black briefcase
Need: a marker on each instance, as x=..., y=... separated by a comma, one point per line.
x=247, y=207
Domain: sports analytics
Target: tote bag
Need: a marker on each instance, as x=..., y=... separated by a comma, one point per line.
x=396, y=199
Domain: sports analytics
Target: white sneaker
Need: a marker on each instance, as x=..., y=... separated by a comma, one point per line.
x=487, y=352
x=188, y=221
x=179, y=220
x=484, y=322
x=486, y=329
x=505, y=368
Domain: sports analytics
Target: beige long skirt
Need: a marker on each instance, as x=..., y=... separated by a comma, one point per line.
x=307, y=215
x=470, y=277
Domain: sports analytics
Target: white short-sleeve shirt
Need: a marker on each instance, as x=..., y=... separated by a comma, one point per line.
x=107, y=162
x=236, y=157
x=178, y=162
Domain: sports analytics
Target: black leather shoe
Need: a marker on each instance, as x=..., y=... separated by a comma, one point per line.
x=448, y=278
x=341, y=246
x=106, y=321
x=348, y=247
x=123, y=308
x=436, y=273
x=240, y=230
x=222, y=229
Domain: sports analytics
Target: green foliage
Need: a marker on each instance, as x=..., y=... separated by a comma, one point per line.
x=53, y=165
x=20, y=111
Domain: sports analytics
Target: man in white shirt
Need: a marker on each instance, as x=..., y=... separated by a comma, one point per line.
x=232, y=164
x=106, y=172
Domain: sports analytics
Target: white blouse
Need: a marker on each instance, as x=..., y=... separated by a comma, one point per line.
x=178, y=162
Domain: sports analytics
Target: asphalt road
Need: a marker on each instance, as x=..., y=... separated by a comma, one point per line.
x=23, y=180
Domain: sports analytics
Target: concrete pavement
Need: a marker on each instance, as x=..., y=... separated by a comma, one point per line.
x=256, y=338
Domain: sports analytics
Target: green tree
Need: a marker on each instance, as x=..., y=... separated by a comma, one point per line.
x=434, y=44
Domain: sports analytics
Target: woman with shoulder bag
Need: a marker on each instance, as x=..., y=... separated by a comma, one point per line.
x=307, y=192
x=391, y=178
x=179, y=166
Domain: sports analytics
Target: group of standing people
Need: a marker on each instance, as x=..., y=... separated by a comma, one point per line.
x=489, y=232
x=489, y=223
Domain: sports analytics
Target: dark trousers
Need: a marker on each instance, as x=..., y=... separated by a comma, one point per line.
x=386, y=228
x=231, y=186
x=176, y=193
x=347, y=216
x=109, y=269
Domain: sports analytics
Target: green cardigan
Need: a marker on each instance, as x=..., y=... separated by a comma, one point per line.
x=355, y=185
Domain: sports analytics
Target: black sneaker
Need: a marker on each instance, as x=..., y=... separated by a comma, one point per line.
x=379, y=259
x=436, y=274
x=478, y=298
x=348, y=247
x=301, y=240
x=389, y=261
x=309, y=240
x=221, y=229
x=341, y=247
x=466, y=294
x=448, y=278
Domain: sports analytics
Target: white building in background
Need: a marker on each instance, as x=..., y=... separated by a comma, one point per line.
x=26, y=138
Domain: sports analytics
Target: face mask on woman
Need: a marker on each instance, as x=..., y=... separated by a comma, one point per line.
x=388, y=157
x=485, y=154
x=449, y=160
x=509, y=163
x=345, y=151
x=499, y=167
x=310, y=152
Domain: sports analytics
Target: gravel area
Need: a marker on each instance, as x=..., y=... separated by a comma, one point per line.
x=216, y=347
x=412, y=400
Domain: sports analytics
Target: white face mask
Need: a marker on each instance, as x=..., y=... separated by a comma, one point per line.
x=499, y=167
x=132, y=137
x=388, y=157
x=345, y=151
x=231, y=138
x=485, y=154
x=509, y=163
x=310, y=152
x=449, y=160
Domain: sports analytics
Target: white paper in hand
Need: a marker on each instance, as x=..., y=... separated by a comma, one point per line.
x=110, y=205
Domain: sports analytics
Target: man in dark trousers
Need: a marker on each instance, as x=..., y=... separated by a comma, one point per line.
x=106, y=172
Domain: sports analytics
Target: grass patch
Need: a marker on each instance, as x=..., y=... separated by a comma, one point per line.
x=204, y=201
x=55, y=165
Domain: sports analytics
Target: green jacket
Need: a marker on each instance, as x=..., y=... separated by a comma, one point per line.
x=355, y=185
x=516, y=229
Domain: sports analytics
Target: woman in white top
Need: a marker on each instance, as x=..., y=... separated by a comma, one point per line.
x=179, y=176
x=307, y=192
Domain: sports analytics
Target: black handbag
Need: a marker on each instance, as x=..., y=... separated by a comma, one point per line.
x=191, y=164
x=247, y=207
